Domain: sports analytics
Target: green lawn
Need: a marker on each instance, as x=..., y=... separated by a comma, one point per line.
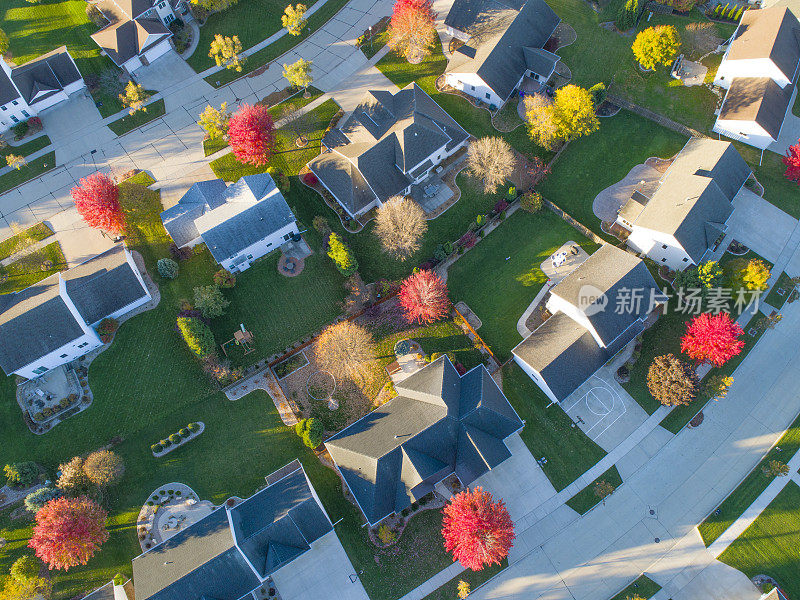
x=643, y=587
x=130, y=122
x=24, y=239
x=286, y=157
x=776, y=300
x=370, y=49
x=746, y=493
x=25, y=149
x=30, y=268
x=549, y=431
x=771, y=545
x=591, y=164
x=475, y=579
x=497, y=288
x=587, y=499
x=30, y=171
x=265, y=55
x=770, y=173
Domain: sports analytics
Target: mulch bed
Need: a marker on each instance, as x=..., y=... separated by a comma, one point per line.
x=698, y=419
x=607, y=109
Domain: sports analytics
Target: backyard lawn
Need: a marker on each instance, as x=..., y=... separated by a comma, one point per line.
x=587, y=498
x=549, y=431
x=27, y=172
x=644, y=587
x=501, y=275
x=31, y=268
x=746, y=493
x=771, y=545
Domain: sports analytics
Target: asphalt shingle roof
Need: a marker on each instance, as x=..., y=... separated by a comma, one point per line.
x=126, y=39
x=439, y=423
x=772, y=33
x=45, y=75
x=8, y=91
x=757, y=99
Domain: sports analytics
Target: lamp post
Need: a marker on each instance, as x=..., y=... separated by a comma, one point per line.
x=370, y=39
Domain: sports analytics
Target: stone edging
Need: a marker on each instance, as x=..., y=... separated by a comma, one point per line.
x=192, y=435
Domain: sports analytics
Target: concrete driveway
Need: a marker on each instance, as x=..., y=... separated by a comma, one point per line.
x=322, y=573
x=608, y=202
x=790, y=131
x=67, y=122
x=762, y=226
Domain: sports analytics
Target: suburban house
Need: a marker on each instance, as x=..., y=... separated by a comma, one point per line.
x=53, y=322
x=137, y=32
x=388, y=145
x=686, y=217
x=759, y=71
x=595, y=314
x=440, y=423
x=279, y=537
x=239, y=223
x=27, y=90
x=503, y=47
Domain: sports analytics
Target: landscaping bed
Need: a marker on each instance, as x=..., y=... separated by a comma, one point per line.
x=587, y=498
x=130, y=122
x=24, y=239
x=177, y=439
x=32, y=268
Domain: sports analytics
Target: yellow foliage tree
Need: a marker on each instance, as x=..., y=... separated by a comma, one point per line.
x=755, y=275
x=226, y=51
x=298, y=73
x=570, y=116
x=15, y=161
x=214, y=5
x=294, y=18
x=463, y=589
x=656, y=46
x=134, y=98
x=215, y=122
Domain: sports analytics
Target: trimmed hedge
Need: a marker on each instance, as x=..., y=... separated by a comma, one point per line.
x=198, y=336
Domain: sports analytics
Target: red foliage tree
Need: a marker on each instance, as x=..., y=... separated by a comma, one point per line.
x=712, y=339
x=251, y=134
x=411, y=30
x=68, y=532
x=477, y=530
x=97, y=201
x=423, y=297
x=792, y=162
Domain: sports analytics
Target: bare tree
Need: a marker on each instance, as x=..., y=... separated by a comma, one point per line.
x=492, y=160
x=701, y=38
x=345, y=350
x=400, y=225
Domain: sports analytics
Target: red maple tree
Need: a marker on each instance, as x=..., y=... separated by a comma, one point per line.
x=97, y=201
x=477, y=530
x=792, y=162
x=68, y=532
x=251, y=134
x=423, y=297
x=712, y=339
x=411, y=30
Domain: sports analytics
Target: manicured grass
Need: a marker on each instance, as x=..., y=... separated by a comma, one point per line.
x=643, y=587
x=774, y=299
x=771, y=545
x=591, y=164
x=271, y=52
x=770, y=173
x=370, y=49
x=212, y=146
x=25, y=149
x=24, y=239
x=286, y=157
x=751, y=487
x=587, y=499
x=501, y=275
x=549, y=431
x=130, y=122
x=30, y=268
x=31, y=170
x=475, y=579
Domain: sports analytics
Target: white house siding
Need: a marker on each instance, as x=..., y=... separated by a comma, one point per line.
x=12, y=112
x=259, y=249
x=651, y=243
x=456, y=33
x=75, y=86
x=536, y=377
x=132, y=64
x=158, y=50
x=165, y=12
x=748, y=132
x=751, y=67
x=467, y=81
x=48, y=102
x=74, y=349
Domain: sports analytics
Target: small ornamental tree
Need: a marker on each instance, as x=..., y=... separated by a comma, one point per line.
x=36, y=500
x=463, y=589
x=310, y=431
x=73, y=480
x=423, y=297
x=411, y=30
x=25, y=568
x=345, y=349
x=656, y=46
x=226, y=52
x=573, y=113
x=210, y=301
x=251, y=134
x=399, y=225
x=298, y=74
x=215, y=121
x=671, y=381
x=134, y=97
x=775, y=468
x=197, y=335
x=68, y=532
x=715, y=387
x=603, y=489
x=541, y=126
x=167, y=268
x=294, y=19
x=341, y=255
x=97, y=201
x=712, y=339
x=224, y=279
x=477, y=530
x=748, y=275
x=21, y=474
x=15, y=161
x=792, y=162
x=104, y=468
x=531, y=201
x=37, y=588
x=491, y=160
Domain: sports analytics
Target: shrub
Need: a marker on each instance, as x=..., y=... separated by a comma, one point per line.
x=500, y=206
x=386, y=535
x=532, y=202
x=175, y=438
x=439, y=254
x=197, y=335
x=210, y=301
x=107, y=328
x=224, y=279
x=180, y=253
x=598, y=92
x=20, y=129
x=310, y=431
x=480, y=220
x=512, y=192
x=165, y=443
x=183, y=432
x=119, y=578
x=310, y=179
x=193, y=427
x=167, y=268
x=341, y=256
x=156, y=448
x=36, y=500
x=21, y=474
x=25, y=568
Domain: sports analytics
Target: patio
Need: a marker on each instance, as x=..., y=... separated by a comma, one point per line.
x=410, y=359
x=171, y=508
x=431, y=193
x=689, y=72
x=563, y=261
x=293, y=255
x=642, y=178
x=47, y=396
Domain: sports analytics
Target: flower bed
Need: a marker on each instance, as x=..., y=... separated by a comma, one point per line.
x=290, y=365
x=177, y=439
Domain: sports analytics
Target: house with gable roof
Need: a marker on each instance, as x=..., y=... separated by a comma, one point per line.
x=239, y=223
x=503, y=47
x=440, y=423
x=388, y=144
x=686, y=217
x=28, y=89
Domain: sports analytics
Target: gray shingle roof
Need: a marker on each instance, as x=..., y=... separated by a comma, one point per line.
x=383, y=140
x=439, y=423
x=768, y=33
x=179, y=220
x=103, y=285
x=125, y=39
x=757, y=99
x=105, y=592
x=500, y=33
x=540, y=61
x=45, y=75
x=7, y=90
x=696, y=190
